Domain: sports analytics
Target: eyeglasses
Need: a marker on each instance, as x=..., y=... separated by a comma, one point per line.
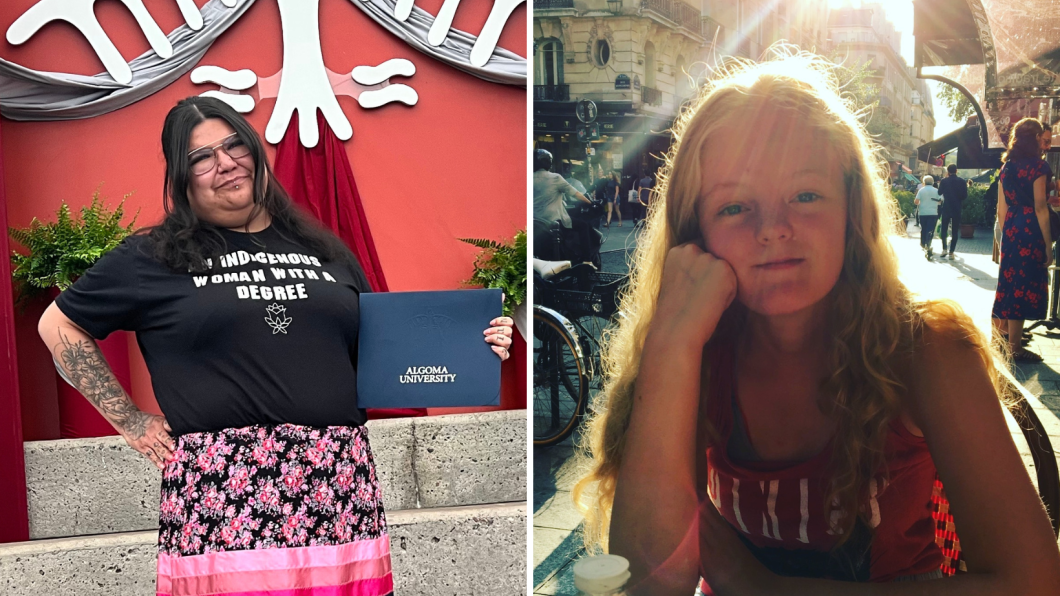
x=204, y=160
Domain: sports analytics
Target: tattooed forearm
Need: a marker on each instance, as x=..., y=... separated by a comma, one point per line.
x=81, y=364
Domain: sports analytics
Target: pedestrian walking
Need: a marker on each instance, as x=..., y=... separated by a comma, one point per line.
x=928, y=201
x=953, y=189
x=268, y=482
x=1022, y=208
x=644, y=186
x=779, y=407
x=611, y=198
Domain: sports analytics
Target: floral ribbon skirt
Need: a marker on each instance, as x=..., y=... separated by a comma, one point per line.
x=273, y=510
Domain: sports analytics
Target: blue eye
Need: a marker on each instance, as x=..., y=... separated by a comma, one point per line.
x=731, y=210
x=807, y=197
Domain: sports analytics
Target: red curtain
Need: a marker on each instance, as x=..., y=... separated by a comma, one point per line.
x=14, y=524
x=321, y=180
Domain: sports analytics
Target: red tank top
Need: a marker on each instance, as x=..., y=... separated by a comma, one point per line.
x=777, y=507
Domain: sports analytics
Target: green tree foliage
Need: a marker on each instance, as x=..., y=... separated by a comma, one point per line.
x=865, y=95
x=56, y=254
x=501, y=266
x=956, y=103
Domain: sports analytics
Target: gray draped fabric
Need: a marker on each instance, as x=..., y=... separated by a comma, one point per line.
x=504, y=66
x=27, y=94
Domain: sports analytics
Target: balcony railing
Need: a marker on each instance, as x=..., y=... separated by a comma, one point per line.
x=547, y=4
x=652, y=97
x=677, y=11
x=709, y=28
x=551, y=92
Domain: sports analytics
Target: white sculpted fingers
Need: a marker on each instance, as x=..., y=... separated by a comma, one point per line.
x=391, y=93
x=373, y=75
x=442, y=23
x=491, y=31
x=238, y=79
x=403, y=9
x=80, y=14
x=227, y=79
x=240, y=102
x=191, y=13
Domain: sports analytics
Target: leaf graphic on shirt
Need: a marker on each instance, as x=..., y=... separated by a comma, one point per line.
x=277, y=318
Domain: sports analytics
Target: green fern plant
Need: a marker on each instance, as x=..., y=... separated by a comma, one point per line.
x=502, y=266
x=55, y=254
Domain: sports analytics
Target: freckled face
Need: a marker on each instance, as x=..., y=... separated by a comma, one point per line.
x=773, y=205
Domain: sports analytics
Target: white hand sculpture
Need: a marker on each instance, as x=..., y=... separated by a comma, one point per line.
x=79, y=13
x=304, y=84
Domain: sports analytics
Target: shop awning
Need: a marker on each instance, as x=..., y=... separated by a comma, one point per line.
x=946, y=34
x=909, y=177
x=934, y=148
x=970, y=154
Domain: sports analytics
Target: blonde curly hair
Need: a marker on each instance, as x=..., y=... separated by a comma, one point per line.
x=876, y=319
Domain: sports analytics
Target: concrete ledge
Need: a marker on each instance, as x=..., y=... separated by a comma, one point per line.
x=462, y=550
x=80, y=487
x=457, y=464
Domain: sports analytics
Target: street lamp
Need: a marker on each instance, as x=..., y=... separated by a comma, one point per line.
x=615, y=6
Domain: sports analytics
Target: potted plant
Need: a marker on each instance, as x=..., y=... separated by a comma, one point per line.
x=53, y=256
x=502, y=266
x=973, y=212
x=904, y=198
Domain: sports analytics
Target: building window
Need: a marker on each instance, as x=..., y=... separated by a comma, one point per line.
x=601, y=53
x=682, y=85
x=548, y=63
x=649, y=65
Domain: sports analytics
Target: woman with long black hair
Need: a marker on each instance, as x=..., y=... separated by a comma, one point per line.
x=247, y=314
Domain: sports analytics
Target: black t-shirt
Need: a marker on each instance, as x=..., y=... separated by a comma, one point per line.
x=268, y=336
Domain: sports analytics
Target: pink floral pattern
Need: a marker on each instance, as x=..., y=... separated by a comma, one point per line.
x=1022, y=283
x=269, y=486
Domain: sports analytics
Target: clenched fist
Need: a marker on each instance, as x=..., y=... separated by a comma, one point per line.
x=696, y=289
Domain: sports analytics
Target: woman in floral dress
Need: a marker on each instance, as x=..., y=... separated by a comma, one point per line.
x=1022, y=283
x=268, y=484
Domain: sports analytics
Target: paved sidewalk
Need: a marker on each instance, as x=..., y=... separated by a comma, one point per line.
x=970, y=279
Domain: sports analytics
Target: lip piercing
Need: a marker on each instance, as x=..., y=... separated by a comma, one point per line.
x=237, y=187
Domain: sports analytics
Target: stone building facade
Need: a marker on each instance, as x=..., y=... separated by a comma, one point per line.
x=639, y=61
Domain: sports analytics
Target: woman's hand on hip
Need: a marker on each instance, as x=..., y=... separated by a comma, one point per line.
x=150, y=435
x=499, y=336
x=696, y=289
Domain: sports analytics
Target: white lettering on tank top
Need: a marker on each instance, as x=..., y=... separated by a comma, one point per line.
x=736, y=504
x=771, y=490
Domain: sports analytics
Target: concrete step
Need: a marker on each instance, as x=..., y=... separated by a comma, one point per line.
x=477, y=550
x=79, y=487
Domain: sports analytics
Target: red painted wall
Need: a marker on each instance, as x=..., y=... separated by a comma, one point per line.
x=452, y=166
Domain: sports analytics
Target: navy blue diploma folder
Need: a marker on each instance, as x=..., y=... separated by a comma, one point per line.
x=427, y=350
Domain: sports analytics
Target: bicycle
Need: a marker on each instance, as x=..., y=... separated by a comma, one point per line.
x=574, y=307
x=561, y=377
